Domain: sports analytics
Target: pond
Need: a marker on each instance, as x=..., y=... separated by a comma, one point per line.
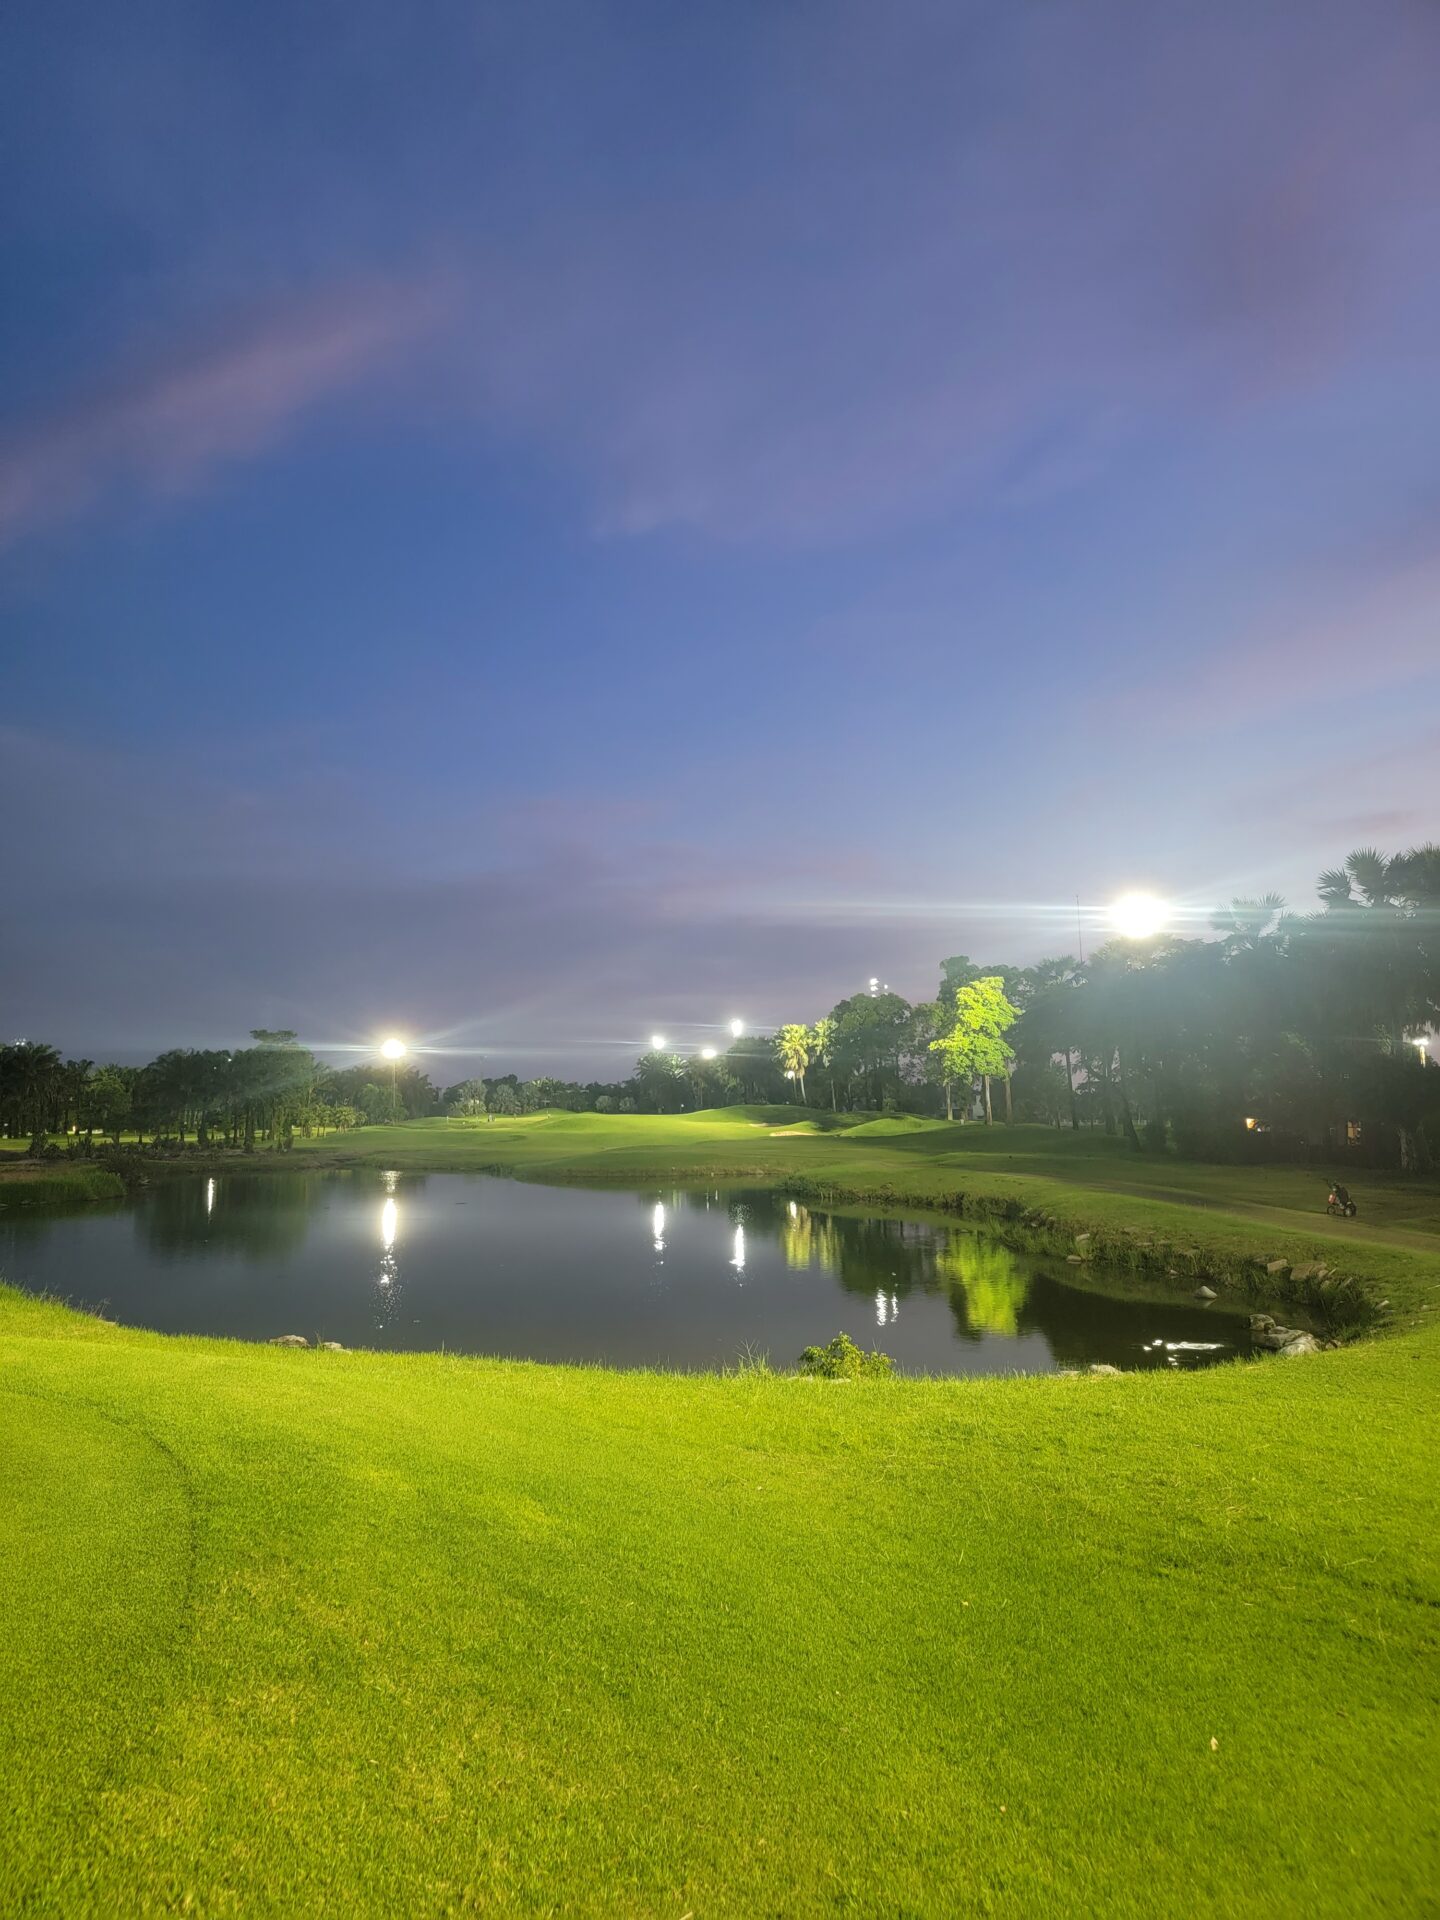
x=476, y=1264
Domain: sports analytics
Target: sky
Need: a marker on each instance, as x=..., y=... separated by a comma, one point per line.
x=531, y=525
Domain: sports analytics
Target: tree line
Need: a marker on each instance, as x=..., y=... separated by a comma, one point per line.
x=1279, y=1033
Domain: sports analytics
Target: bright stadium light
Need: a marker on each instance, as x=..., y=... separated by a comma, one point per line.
x=657, y=1040
x=737, y=1027
x=707, y=1053
x=1138, y=916
x=393, y=1048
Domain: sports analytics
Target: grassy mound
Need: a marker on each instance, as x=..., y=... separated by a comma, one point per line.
x=888, y=1125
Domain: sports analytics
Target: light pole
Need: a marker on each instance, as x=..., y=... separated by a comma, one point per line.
x=393, y=1050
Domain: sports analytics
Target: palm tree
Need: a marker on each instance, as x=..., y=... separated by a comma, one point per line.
x=32, y=1081
x=1390, y=902
x=822, y=1041
x=1247, y=922
x=792, y=1045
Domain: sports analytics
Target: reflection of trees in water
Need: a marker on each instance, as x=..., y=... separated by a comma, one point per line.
x=257, y=1216
x=885, y=1256
x=992, y=1292
x=809, y=1239
x=987, y=1286
x=866, y=1256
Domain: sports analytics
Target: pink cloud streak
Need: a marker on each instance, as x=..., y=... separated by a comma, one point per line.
x=169, y=428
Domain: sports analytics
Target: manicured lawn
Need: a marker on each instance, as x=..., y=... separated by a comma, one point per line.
x=290, y=1632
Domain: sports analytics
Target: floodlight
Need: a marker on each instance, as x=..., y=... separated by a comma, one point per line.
x=1138, y=916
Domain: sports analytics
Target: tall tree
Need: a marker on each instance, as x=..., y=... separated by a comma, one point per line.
x=822, y=1042
x=1381, y=925
x=1045, y=1031
x=976, y=1044
x=659, y=1081
x=792, y=1049
x=106, y=1102
x=873, y=1035
x=32, y=1089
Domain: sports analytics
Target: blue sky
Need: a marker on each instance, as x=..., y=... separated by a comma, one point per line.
x=534, y=524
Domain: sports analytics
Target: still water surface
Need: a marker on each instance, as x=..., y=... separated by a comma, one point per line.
x=483, y=1265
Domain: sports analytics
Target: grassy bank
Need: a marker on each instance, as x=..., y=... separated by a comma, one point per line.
x=383, y=1634
x=45, y=1185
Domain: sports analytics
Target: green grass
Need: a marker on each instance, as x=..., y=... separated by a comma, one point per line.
x=381, y=1634
x=50, y=1185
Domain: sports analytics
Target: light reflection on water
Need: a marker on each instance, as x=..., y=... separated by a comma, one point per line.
x=387, y=1277
x=675, y=1278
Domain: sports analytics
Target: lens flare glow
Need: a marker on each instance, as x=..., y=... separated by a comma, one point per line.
x=737, y=1027
x=657, y=1040
x=1138, y=916
x=393, y=1048
x=707, y=1053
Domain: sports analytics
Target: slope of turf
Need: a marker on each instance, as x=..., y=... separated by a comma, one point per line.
x=476, y=1636
x=95, y=1567
x=382, y=1634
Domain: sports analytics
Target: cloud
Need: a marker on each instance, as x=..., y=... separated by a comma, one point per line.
x=167, y=429
x=192, y=913
x=796, y=280
x=944, y=259
x=1356, y=630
